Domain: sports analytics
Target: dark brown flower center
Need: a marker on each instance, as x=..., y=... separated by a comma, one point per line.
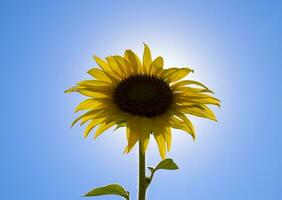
x=143, y=95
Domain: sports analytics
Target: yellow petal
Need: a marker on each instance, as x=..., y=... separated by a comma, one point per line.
x=93, y=83
x=103, y=127
x=145, y=141
x=204, y=111
x=90, y=126
x=192, y=90
x=115, y=67
x=161, y=144
x=157, y=65
x=144, y=125
x=196, y=98
x=158, y=123
x=120, y=62
x=166, y=72
x=168, y=138
x=184, y=123
x=187, y=82
x=92, y=117
x=133, y=60
x=107, y=112
x=107, y=76
x=127, y=66
x=178, y=124
x=94, y=93
x=178, y=74
x=88, y=104
x=74, y=89
x=99, y=75
x=91, y=90
x=103, y=65
x=132, y=138
x=96, y=113
x=91, y=112
x=147, y=58
x=159, y=62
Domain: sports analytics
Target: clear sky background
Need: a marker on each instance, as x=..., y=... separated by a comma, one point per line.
x=235, y=48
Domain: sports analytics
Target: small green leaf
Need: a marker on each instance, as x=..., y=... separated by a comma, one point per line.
x=112, y=189
x=167, y=164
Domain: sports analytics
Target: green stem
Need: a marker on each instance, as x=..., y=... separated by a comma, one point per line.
x=142, y=174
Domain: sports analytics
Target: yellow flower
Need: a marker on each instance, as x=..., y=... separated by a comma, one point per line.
x=143, y=97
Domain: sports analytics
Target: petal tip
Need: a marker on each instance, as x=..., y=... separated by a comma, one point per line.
x=68, y=91
x=145, y=45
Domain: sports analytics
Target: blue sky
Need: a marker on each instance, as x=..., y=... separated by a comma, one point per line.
x=234, y=48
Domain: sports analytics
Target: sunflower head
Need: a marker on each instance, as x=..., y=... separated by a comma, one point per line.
x=143, y=97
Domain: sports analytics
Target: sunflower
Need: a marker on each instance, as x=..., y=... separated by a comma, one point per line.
x=143, y=97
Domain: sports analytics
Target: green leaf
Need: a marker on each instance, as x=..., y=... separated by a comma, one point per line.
x=167, y=164
x=112, y=189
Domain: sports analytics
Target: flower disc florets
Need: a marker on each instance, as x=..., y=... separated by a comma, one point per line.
x=143, y=95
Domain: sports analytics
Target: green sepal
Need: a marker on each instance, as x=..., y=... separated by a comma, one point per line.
x=112, y=189
x=120, y=125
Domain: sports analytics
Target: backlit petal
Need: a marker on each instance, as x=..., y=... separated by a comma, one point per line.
x=178, y=74
x=103, y=127
x=147, y=58
x=161, y=144
x=157, y=66
x=133, y=60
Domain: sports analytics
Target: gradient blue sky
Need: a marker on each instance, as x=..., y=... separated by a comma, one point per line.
x=235, y=47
